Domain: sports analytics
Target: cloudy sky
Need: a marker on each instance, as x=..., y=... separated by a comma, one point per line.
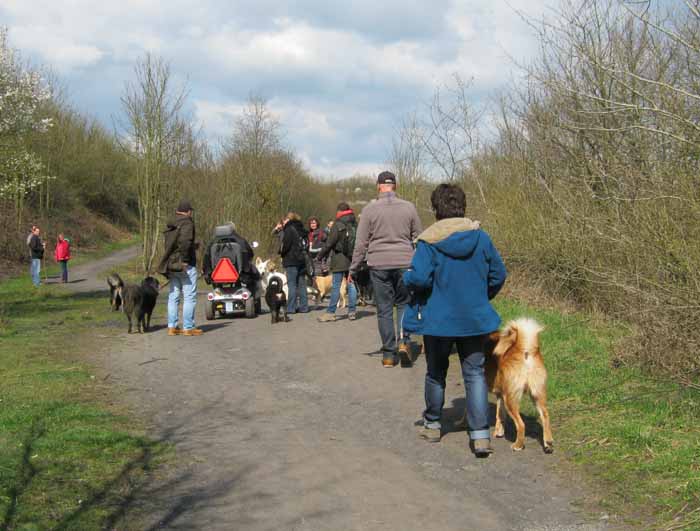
x=339, y=75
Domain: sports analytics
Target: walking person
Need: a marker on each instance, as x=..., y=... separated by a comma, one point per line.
x=317, y=238
x=179, y=265
x=293, y=250
x=455, y=272
x=385, y=237
x=341, y=242
x=62, y=255
x=36, y=252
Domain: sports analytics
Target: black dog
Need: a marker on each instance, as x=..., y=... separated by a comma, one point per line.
x=139, y=301
x=363, y=282
x=150, y=287
x=276, y=299
x=115, y=284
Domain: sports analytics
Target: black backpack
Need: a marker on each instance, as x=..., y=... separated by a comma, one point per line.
x=349, y=234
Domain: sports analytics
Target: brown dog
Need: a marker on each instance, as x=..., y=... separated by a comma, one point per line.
x=516, y=366
x=324, y=285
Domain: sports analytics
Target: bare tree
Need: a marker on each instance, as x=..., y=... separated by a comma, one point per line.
x=153, y=132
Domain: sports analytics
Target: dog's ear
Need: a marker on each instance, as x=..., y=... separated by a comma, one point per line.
x=506, y=340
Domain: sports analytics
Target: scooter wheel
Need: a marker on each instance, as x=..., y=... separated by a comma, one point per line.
x=209, y=311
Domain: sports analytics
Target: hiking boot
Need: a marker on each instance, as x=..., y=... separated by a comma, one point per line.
x=431, y=435
x=172, y=331
x=482, y=447
x=389, y=363
x=327, y=318
x=352, y=316
x=193, y=332
x=405, y=355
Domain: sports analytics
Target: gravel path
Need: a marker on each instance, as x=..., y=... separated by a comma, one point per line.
x=295, y=427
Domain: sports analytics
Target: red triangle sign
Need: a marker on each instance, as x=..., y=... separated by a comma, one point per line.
x=224, y=272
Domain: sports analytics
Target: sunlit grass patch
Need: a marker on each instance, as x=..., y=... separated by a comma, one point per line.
x=66, y=460
x=638, y=436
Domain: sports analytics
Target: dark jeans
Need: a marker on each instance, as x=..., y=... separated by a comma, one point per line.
x=296, y=286
x=471, y=357
x=64, y=270
x=389, y=291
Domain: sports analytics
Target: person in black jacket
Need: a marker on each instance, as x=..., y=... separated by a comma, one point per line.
x=293, y=250
x=341, y=242
x=179, y=264
x=36, y=249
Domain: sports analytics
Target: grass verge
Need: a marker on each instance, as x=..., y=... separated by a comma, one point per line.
x=67, y=460
x=636, y=436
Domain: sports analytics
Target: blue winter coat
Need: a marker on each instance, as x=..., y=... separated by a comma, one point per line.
x=455, y=272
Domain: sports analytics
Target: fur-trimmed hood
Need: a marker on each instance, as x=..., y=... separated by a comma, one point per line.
x=456, y=237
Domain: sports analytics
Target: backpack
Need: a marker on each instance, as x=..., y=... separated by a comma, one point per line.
x=348, y=243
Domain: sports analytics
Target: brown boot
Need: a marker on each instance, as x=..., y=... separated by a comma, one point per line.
x=174, y=331
x=405, y=355
x=482, y=447
x=192, y=332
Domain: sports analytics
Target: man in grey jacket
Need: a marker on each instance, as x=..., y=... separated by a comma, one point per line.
x=388, y=226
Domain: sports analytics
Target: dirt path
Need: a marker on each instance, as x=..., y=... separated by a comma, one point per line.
x=294, y=427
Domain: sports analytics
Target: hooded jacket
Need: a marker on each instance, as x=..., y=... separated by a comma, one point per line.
x=62, y=251
x=294, y=240
x=340, y=262
x=180, y=250
x=455, y=272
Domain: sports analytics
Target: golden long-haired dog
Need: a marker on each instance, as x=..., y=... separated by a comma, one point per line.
x=516, y=366
x=324, y=285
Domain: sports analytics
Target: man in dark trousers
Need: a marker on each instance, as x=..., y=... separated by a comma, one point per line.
x=340, y=242
x=36, y=250
x=179, y=264
x=388, y=227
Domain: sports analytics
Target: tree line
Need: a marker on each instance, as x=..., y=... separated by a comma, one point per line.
x=587, y=172
x=67, y=172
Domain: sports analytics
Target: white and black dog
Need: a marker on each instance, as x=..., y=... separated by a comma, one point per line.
x=267, y=269
x=276, y=299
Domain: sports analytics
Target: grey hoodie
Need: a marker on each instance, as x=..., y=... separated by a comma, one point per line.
x=385, y=234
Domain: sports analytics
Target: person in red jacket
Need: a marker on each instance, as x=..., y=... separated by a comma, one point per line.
x=62, y=255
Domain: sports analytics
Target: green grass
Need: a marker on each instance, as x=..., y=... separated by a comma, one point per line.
x=67, y=460
x=637, y=437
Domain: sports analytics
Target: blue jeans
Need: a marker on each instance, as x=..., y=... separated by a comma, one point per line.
x=296, y=286
x=335, y=293
x=35, y=270
x=389, y=291
x=64, y=270
x=471, y=357
x=185, y=283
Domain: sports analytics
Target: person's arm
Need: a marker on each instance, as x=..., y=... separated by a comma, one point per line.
x=497, y=270
x=416, y=225
x=420, y=273
x=330, y=242
x=287, y=241
x=361, y=242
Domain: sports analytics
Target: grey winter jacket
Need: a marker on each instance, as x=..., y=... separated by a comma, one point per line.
x=388, y=226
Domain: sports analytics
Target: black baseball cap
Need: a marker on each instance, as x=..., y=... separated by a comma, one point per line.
x=184, y=206
x=386, y=177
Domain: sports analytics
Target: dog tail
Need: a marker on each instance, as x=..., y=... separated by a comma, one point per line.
x=523, y=331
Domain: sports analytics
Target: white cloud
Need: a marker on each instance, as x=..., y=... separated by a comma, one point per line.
x=338, y=76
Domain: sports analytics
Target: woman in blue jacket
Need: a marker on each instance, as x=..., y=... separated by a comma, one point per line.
x=455, y=272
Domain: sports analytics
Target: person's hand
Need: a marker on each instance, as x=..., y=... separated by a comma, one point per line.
x=349, y=278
